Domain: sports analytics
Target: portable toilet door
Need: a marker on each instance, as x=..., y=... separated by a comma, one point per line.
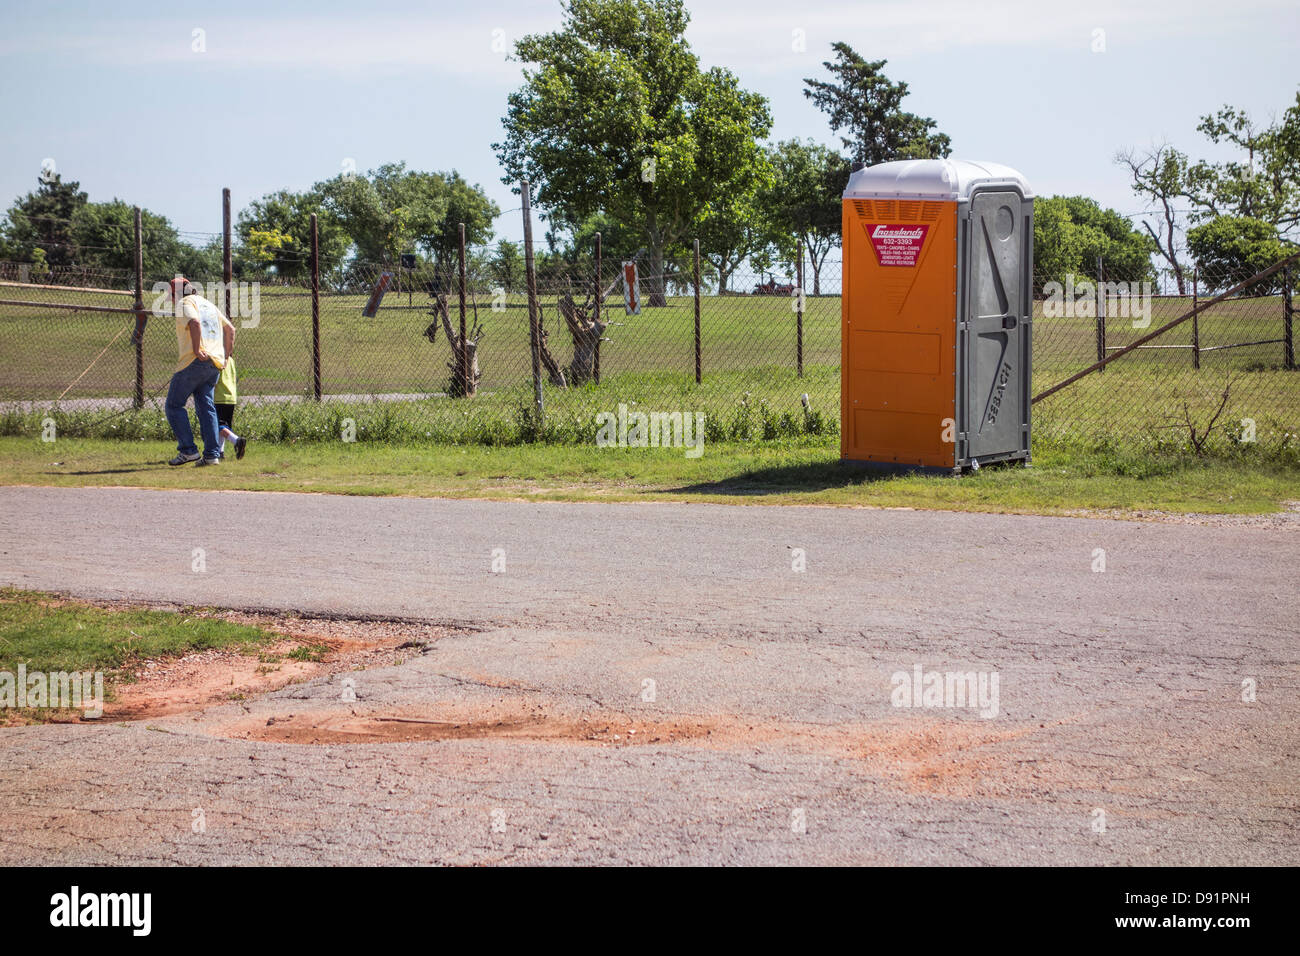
x=935, y=337
x=994, y=335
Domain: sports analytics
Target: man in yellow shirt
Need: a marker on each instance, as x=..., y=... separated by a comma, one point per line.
x=204, y=337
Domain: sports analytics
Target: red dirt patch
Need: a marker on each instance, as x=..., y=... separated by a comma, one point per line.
x=176, y=685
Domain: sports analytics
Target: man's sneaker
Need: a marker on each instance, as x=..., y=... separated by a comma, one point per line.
x=184, y=459
x=209, y=461
x=240, y=445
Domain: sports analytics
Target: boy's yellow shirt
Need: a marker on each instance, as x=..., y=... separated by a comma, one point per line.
x=226, y=393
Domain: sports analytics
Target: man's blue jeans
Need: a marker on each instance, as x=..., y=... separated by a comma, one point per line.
x=198, y=379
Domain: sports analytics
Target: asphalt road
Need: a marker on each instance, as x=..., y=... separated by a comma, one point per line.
x=769, y=719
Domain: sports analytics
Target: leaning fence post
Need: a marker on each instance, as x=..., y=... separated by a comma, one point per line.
x=595, y=367
x=1196, y=319
x=534, y=329
x=315, y=309
x=1101, y=312
x=1288, y=342
x=798, y=306
x=139, y=310
x=464, y=350
x=227, y=271
x=698, y=370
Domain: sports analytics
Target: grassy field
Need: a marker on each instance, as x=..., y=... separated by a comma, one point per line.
x=748, y=345
x=1063, y=479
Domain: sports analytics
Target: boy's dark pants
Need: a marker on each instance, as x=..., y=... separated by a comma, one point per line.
x=226, y=415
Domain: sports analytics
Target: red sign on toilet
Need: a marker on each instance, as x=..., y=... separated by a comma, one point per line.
x=896, y=244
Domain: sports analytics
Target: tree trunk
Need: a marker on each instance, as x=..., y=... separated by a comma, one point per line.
x=553, y=370
x=657, y=298
x=463, y=354
x=586, y=333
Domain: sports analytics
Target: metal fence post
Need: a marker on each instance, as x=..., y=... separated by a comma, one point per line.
x=227, y=270
x=1288, y=342
x=1196, y=319
x=698, y=369
x=798, y=349
x=464, y=350
x=315, y=309
x=1101, y=313
x=139, y=310
x=595, y=367
x=534, y=325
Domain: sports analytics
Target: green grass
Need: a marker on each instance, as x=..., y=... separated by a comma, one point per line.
x=1064, y=477
x=50, y=634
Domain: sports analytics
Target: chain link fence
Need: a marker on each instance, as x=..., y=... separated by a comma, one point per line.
x=382, y=348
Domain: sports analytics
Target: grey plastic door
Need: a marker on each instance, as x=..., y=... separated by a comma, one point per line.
x=997, y=355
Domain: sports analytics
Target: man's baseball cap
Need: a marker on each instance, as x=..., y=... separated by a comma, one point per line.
x=182, y=287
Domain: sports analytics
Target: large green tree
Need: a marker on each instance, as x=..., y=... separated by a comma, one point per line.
x=104, y=236
x=1262, y=182
x=616, y=116
x=1072, y=232
x=1231, y=249
x=866, y=105
x=804, y=200
x=392, y=210
x=1259, y=184
x=287, y=215
x=43, y=220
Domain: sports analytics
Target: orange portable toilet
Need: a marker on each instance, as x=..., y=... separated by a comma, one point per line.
x=935, y=313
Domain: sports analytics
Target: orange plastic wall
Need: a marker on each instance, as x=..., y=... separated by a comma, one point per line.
x=898, y=338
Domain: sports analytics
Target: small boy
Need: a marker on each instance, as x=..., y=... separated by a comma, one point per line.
x=225, y=397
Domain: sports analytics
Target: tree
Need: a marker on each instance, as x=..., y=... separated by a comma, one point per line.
x=506, y=266
x=1263, y=184
x=43, y=219
x=383, y=211
x=1158, y=176
x=465, y=203
x=392, y=210
x=805, y=200
x=730, y=230
x=1071, y=232
x=616, y=116
x=104, y=235
x=287, y=215
x=866, y=104
x=1231, y=249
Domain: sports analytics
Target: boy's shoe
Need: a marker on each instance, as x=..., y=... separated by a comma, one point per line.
x=209, y=461
x=184, y=459
x=240, y=445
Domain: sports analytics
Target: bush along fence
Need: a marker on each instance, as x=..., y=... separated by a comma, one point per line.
x=494, y=347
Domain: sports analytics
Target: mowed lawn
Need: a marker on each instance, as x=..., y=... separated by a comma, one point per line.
x=808, y=472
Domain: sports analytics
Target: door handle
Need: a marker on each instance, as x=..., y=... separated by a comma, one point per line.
x=1009, y=321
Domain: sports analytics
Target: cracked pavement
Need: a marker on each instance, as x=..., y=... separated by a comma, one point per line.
x=760, y=695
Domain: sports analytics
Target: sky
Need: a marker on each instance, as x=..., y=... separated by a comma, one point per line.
x=163, y=104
